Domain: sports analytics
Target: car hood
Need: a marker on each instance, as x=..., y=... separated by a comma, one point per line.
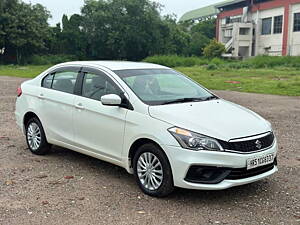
x=217, y=118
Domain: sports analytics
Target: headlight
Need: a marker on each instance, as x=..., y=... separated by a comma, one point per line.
x=193, y=141
x=270, y=125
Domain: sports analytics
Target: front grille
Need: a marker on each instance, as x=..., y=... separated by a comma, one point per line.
x=251, y=145
x=244, y=173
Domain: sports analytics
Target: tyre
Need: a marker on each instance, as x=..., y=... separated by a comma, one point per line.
x=36, y=138
x=152, y=171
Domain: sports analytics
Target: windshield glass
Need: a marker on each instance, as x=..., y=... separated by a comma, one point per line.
x=163, y=86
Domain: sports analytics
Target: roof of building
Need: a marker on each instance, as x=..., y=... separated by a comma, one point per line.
x=207, y=11
x=116, y=65
x=223, y=4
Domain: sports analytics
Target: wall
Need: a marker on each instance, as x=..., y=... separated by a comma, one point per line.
x=272, y=40
x=294, y=37
x=286, y=43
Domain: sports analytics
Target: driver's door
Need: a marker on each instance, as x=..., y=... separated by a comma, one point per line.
x=98, y=128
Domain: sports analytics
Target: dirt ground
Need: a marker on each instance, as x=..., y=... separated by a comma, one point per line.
x=66, y=187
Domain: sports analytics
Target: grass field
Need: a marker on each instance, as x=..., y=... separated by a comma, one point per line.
x=22, y=71
x=279, y=81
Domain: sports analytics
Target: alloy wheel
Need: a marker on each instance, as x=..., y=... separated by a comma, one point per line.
x=34, y=136
x=150, y=171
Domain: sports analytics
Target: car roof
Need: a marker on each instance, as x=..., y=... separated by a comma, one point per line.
x=116, y=65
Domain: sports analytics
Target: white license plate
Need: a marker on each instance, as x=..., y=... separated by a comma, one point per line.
x=260, y=161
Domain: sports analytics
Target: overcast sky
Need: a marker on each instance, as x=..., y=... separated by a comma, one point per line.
x=69, y=7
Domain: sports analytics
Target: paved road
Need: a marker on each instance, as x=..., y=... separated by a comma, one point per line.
x=34, y=189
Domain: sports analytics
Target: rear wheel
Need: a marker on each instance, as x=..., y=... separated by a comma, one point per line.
x=152, y=171
x=35, y=137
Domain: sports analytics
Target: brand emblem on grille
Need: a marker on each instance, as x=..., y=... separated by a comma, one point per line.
x=258, y=144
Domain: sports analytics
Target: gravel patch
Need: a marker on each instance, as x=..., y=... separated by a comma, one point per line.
x=66, y=187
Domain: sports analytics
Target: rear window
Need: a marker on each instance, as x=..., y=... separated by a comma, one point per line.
x=61, y=81
x=47, y=82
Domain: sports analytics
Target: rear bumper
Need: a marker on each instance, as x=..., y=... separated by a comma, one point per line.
x=19, y=121
x=181, y=161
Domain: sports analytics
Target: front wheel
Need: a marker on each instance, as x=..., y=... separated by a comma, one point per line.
x=36, y=138
x=152, y=171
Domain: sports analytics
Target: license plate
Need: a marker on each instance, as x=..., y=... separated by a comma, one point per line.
x=260, y=161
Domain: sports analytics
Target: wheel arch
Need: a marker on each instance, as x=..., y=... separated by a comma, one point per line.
x=138, y=143
x=27, y=116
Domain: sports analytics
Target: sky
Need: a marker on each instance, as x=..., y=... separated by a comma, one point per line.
x=69, y=7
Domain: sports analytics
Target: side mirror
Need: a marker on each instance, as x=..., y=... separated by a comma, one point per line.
x=111, y=100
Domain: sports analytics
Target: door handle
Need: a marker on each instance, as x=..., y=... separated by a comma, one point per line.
x=41, y=96
x=79, y=106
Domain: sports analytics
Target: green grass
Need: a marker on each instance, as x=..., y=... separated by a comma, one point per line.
x=278, y=81
x=22, y=71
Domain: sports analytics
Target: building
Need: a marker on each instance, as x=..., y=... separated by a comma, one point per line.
x=255, y=27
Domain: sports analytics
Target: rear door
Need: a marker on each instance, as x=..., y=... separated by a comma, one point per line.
x=57, y=104
x=99, y=128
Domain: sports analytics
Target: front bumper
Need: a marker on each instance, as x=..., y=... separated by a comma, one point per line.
x=181, y=160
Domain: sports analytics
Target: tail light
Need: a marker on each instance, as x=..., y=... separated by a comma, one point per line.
x=19, y=91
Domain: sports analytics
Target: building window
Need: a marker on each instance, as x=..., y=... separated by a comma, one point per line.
x=296, y=22
x=233, y=19
x=228, y=33
x=266, y=26
x=278, y=24
x=244, y=31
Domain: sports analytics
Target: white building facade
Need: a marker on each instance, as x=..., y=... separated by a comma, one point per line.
x=259, y=27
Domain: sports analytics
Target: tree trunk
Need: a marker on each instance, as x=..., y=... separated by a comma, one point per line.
x=19, y=56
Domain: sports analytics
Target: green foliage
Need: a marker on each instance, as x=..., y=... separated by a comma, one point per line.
x=176, y=61
x=197, y=44
x=24, y=29
x=265, y=62
x=105, y=29
x=206, y=27
x=217, y=61
x=279, y=81
x=176, y=39
x=50, y=59
x=212, y=66
x=118, y=29
x=251, y=63
x=22, y=71
x=115, y=29
x=273, y=61
x=214, y=49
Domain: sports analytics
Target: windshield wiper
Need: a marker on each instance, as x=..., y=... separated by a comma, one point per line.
x=210, y=98
x=182, y=100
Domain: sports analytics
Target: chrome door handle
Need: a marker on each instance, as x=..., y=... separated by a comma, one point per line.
x=79, y=106
x=41, y=96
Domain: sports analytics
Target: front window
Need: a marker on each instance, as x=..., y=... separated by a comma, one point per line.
x=97, y=85
x=163, y=86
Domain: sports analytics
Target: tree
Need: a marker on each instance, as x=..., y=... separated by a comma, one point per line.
x=206, y=27
x=124, y=29
x=201, y=34
x=214, y=49
x=176, y=39
x=24, y=28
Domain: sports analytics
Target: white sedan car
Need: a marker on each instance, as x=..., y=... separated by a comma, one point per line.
x=158, y=124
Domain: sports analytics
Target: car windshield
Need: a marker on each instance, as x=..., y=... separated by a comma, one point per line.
x=163, y=86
